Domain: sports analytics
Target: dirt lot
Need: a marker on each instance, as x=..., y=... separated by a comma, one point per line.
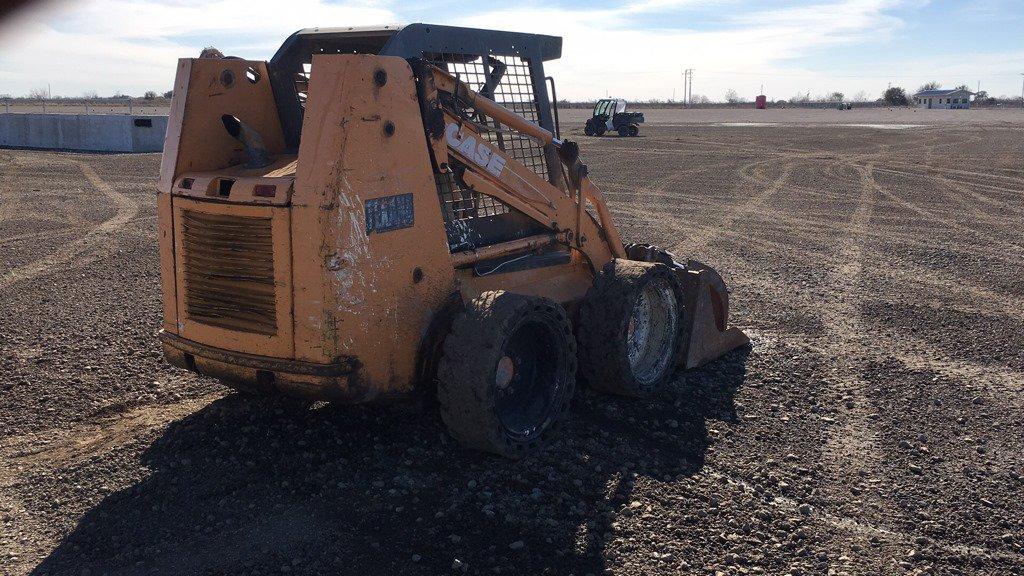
x=873, y=427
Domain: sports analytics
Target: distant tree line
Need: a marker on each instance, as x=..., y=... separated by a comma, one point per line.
x=44, y=94
x=892, y=96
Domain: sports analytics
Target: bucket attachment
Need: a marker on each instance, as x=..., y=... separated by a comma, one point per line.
x=706, y=334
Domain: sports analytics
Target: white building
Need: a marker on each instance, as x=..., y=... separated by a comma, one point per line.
x=945, y=99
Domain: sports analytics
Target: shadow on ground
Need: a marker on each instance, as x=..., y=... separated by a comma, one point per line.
x=258, y=486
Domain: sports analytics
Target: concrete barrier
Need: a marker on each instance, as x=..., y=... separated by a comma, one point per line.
x=91, y=133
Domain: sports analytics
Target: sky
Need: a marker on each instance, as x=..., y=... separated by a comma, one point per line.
x=635, y=49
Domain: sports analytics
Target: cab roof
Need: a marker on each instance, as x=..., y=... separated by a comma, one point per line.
x=415, y=40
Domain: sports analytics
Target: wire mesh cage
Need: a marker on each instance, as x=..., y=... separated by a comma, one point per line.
x=508, y=80
x=458, y=203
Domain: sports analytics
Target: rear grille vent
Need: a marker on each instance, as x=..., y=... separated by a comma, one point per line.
x=229, y=271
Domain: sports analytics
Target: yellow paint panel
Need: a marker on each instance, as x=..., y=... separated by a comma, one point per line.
x=356, y=293
x=165, y=237
x=204, y=90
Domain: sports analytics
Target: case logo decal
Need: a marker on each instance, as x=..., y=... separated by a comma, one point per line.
x=478, y=152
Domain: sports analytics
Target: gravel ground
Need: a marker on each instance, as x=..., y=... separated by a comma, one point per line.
x=873, y=427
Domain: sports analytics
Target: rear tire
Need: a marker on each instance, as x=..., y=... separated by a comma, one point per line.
x=623, y=131
x=507, y=373
x=630, y=328
x=634, y=130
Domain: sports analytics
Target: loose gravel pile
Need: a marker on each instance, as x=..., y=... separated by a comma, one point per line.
x=873, y=427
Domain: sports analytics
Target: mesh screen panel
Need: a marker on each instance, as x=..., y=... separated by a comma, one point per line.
x=507, y=80
x=458, y=203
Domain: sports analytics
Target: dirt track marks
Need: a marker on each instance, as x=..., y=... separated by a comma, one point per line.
x=852, y=446
x=65, y=447
x=855, y=526
x=701, y=237
x=918, y=353
x=126, y=210
x=930, y=214
x=970, y=294
x=967, y=186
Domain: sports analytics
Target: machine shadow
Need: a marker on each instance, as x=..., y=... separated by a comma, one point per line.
x=247, y=486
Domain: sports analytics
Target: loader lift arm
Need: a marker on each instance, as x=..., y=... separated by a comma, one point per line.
x=562, y=209
x=493, y=172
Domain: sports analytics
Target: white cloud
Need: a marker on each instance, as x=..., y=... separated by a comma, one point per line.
x=600, y=56
x=133, y=46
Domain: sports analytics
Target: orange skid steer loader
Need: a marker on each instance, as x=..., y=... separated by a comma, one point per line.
x=377, y=209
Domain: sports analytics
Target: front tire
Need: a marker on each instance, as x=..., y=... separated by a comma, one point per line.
x=630, y=328
x=588, y=128
x=507, y=373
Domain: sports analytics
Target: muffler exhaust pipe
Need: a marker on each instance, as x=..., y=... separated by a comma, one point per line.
x=249, y=138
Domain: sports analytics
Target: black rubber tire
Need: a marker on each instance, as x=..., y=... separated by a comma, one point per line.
x=634, y=130
x=604, y=326
x=588, y=129
x=623, y=130
x=600, y=128
x=482, y=337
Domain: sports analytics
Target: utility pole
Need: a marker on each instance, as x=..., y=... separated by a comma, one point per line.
x=689, y=93
x=686, y=81
x=687, y=86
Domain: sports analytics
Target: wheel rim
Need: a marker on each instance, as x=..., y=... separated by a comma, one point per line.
x=652, y=333
x=528, y=381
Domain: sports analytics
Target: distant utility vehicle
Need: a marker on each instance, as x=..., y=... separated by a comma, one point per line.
x=610, y=114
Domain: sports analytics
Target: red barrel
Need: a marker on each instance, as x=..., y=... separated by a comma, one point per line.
x=761, y=102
